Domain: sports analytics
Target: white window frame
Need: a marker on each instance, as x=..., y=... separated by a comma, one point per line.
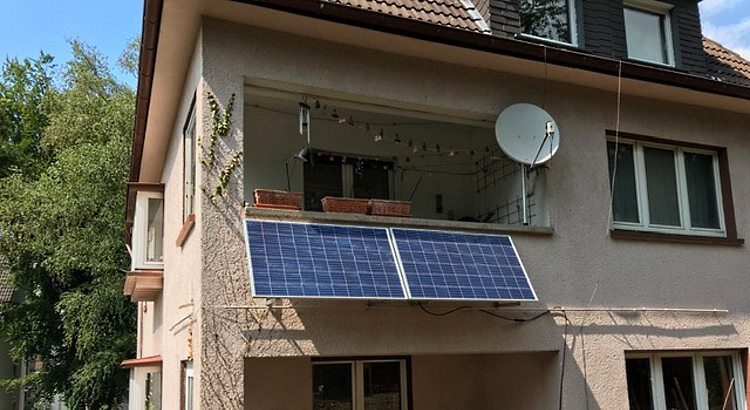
x=358, y=379
x=699, y=376
x=140, y=231
x=683, y=203
x=573, y=19
x=187, y=395
x=189, y=158
x=655, y=7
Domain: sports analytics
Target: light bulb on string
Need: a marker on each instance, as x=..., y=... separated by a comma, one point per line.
x=379, y=136
x=397, y=140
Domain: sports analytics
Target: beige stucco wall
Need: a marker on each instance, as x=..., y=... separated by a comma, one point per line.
x=578, y=265
x=169, y=324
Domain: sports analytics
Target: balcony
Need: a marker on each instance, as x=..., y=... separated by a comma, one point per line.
x=447, y=166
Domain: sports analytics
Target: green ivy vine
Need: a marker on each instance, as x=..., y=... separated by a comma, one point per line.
x=221, y=124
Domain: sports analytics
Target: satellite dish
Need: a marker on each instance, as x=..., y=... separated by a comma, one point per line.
x=527, y=134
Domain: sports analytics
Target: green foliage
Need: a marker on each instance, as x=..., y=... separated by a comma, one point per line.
x=129, y=59
x=221, y=124
x=26, y=98
x=62, y=237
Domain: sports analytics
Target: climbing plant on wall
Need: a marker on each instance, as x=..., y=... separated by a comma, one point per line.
x=221, y=125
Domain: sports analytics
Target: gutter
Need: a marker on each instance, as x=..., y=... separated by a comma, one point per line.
x=152, y=10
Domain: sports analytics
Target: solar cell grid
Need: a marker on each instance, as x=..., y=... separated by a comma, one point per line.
x=460, y=266
x=311, y=260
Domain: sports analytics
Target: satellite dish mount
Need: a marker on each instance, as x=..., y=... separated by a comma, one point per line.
x=528, y=135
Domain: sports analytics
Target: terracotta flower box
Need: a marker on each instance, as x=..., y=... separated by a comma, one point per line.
x=272, y=198
x=390, y=208
x=348, y=205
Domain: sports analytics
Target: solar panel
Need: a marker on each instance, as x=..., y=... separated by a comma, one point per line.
x=322, y=261
x=460, y=266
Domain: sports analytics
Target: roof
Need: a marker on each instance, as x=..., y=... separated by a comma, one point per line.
x=725, y=65
x=461, y=14
x=142, y=361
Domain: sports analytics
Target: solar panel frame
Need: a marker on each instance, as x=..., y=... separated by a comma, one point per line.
x=399, y=274
x=405, y=279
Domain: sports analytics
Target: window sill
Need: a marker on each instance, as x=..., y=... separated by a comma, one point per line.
x=674, y=238
x=394, y=221
x=187, y=227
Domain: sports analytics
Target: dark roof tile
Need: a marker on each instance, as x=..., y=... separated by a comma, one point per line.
x=725, y=65
x=461, y=14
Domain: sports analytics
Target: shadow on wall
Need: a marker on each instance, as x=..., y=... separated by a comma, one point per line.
x=523, y=369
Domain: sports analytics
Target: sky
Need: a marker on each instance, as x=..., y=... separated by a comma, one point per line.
x=30, y=26
x=728, y=22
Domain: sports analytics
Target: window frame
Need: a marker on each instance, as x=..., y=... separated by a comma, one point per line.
x=189, y=163
x=357, y=374
x=573, y=21
x=685, y=227
x=658, y=8
x=186, y=395
x=347, y=171
x=699, y=376
x=140, y=230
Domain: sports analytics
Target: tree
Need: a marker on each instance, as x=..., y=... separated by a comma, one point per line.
x=26, y=97
x=62, y=237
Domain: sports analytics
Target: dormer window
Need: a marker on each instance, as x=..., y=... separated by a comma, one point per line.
x=552, y=20
x=148, y=231
x=648, y=33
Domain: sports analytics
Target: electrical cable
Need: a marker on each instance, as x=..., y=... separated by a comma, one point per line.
x=446, y=313
x=564, y=355
x=485, y=311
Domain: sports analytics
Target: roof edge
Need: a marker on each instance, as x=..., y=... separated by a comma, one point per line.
x=511, y=47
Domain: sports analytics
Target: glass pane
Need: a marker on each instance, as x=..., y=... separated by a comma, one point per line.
x=332, y=386
x=153, y=391
x=546, y=18
x=382, y=385
x=322, y=178
x=370, y=180
x=678, y=383
x=719, y=378
x=661, y=182
x=639, y=383
x=699, y=171
x=624, y=199
x=189, y=394
x=644, y=33
x=155, y=230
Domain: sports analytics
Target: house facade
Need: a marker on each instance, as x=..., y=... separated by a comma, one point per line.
x=609, y=274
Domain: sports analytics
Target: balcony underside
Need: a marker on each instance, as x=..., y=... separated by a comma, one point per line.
x=144, y=285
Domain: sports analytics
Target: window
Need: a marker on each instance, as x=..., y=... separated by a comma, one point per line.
x=148, y=230
x=189, y=166
x=648, y=33
x=336, y=175
x=665, y=188
x=187, y=385
x=685, y=381
x=549, y=19
x=153, y=391
x=360, y=385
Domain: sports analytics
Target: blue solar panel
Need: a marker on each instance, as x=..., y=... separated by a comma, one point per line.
x=310, y=260
x=459, y=266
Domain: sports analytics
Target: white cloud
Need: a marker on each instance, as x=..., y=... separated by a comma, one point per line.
x=712, y=7
x=733, y=36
